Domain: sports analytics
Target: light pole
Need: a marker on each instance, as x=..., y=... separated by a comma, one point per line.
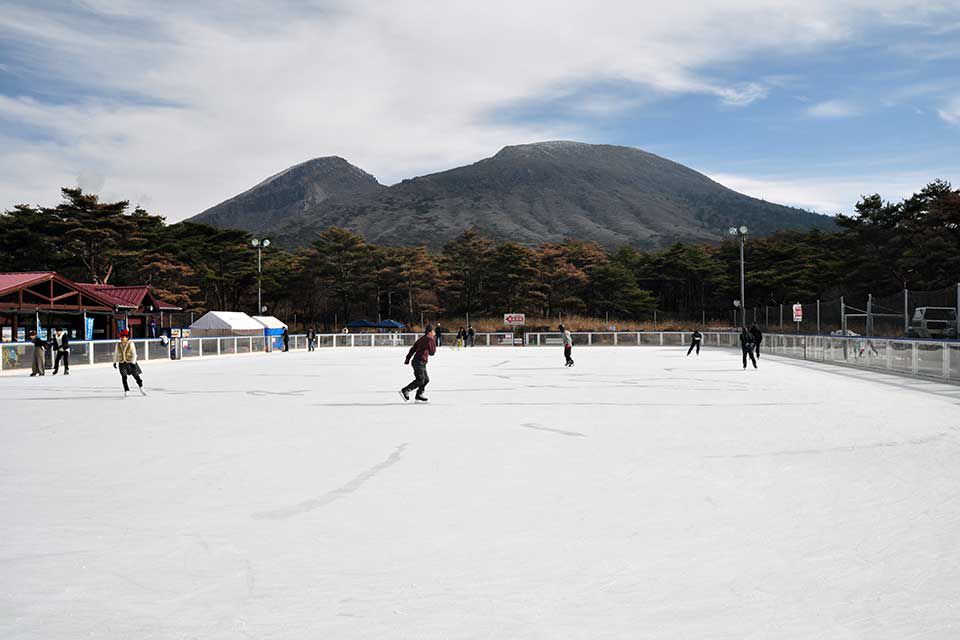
x=741, y=233
x=260, y=245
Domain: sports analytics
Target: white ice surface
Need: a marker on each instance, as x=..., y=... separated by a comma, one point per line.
x=641, y=494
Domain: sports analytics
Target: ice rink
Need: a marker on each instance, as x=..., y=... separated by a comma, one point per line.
x=641, y=494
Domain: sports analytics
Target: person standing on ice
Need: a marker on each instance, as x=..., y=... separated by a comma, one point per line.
x=438, y=334
x=567, y=346
x=418, y=355
x=61, y=348
x=757, y=336
x=286, y=339
x=471, y=335
x=311, y=339
x=695, y=341
x=125, y=360
x=39, y=355
x=746, y=345
x=461, y=337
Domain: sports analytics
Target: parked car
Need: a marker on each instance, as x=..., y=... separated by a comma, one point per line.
x=933, y=322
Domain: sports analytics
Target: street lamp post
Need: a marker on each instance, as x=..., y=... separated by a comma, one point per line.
x=260, y=245
x=741, y=233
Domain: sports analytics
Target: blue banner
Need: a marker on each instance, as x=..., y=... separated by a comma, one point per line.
x=88, y=329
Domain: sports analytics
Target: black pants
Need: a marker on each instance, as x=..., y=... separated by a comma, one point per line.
x=286, y=345
x=129, y=369
x=748, y=351
x=420, y=380
x=567, y=351
x=756, y=347
x=695, y=343
x=311, y=344
x=61, y=355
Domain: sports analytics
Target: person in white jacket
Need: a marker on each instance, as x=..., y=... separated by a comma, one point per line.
x=125, y=359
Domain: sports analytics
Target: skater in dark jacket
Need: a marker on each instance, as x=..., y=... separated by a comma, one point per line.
x=757, y=336
x=61, y=350
x=471, y=336
x=695, y=341
x=311, y=339
x=39, y=355
x=438, y=335
x=746, y=345
x=418, y=355
x=286, y=339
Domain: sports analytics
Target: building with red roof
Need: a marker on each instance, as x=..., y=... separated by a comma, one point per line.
x=44, y=299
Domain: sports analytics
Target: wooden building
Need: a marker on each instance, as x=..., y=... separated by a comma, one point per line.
x=44, y=300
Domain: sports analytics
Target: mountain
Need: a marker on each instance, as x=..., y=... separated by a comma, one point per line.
x=301, y=188
x=529, y=193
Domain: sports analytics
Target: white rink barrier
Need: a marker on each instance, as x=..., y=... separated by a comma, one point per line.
x=929, y=358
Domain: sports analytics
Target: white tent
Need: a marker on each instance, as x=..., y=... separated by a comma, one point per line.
x=226, y=323
x=270, y=322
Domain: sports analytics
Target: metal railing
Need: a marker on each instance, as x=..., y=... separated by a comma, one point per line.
x=938, y=359
x=929, y=358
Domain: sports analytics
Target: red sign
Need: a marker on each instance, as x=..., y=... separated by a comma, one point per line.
x=514, y=319
x=798, y=312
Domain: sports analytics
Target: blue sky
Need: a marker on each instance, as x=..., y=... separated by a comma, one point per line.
x=177, y=108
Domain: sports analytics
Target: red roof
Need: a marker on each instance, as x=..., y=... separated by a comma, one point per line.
x=25, y=278
x=129, y=296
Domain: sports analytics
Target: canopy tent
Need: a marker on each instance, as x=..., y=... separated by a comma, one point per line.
x=390, y=325
x=272, y=326
x=225, y=323
x=361, y=324
x=272, y=330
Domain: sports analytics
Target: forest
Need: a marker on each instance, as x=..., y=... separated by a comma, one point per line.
x=880, y=248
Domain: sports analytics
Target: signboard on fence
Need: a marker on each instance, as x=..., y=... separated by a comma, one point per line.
x=514, y=319
x=798, y=312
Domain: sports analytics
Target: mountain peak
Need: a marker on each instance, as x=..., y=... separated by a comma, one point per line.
x=529, y=193
x=290, y=193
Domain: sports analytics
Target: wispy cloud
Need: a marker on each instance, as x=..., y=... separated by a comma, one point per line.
x=834, y=109
x=191, y=103
x=950, y=113
x=824, y=194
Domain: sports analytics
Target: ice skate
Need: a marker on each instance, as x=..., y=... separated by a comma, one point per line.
x=421, y=398
x=142, y=392
x=125, y=393
x=405, y=395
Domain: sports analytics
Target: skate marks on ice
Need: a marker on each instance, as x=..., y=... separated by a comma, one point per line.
x=534, y=425
x=852, y=448
x=336, y=494
x=260, y=393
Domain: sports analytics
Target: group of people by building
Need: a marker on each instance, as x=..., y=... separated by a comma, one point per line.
x=59, y=345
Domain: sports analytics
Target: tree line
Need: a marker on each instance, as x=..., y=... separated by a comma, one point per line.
x=884, y=247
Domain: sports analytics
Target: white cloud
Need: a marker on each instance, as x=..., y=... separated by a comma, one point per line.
x=950, y=113
x=228, y=93
x=827, y=195
x=833, y=109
